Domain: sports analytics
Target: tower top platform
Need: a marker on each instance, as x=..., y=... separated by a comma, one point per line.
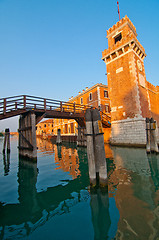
x=120, y=24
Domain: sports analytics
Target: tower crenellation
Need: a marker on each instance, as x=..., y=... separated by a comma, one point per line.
x=122, y=37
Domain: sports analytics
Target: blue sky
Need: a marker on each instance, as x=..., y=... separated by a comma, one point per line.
x=53, y=48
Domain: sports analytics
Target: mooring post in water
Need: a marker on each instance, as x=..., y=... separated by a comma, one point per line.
x=79, y=136
x=99, y=148
x=148, y=136
x=27, y=136
x=153, y=145
x=6, y=140
x=58, y=140
x=90, y=148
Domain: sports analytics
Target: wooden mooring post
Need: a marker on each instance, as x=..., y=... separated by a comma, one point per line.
x=58, y=140
x=95, y=148
x=6, y=140
x=151, y=136
x=81, y=137
x=27, y=136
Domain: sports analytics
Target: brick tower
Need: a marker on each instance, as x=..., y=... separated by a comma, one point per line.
x=129, y=96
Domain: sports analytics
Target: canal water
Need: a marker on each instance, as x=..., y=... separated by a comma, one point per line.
x=51, y=199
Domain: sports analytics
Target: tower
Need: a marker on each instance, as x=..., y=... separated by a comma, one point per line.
x=130, y=103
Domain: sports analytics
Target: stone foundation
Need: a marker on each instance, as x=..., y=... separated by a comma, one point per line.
x=129, y=132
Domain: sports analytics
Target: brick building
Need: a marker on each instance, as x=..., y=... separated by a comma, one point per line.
x=132, y=98
x=96, y=96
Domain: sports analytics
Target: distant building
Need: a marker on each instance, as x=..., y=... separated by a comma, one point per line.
x=45, y=128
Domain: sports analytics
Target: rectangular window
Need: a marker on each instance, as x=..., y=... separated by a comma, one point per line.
x=118, y=38
x=81, y=100
x=105, y=94
x=90, y=97
x=107, y=109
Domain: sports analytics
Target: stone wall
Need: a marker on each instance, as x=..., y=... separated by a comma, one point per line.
x=129, y=132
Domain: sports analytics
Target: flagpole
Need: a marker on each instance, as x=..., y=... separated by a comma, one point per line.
x=118, y=10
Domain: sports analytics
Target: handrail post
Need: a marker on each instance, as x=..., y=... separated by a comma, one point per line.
x=74, y=107
x=24, y=101
x=45, y=104
x=61, y=106
x=15, y=105
x=4, y=106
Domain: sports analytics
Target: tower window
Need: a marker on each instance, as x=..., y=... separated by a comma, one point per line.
x=81, y=100
x=118, y=38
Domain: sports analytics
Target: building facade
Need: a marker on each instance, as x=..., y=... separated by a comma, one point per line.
x=45, y=128
x=132, y=98
x=95, y=96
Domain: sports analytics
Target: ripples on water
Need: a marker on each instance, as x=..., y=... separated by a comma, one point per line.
x=51, y=199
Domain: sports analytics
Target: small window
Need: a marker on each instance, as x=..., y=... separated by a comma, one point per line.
x=107, y=110
x=44, y=125
x=118, y=38
x=105, y=94
x=81, y=100
x=90, y=96
x=52, y=125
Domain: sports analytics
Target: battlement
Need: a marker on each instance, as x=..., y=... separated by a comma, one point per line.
x=151, y=87
x=120, y=24
x=122, y=37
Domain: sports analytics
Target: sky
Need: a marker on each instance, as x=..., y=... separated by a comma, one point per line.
x=53, y=48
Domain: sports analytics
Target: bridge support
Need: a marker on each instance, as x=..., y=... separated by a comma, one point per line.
x=95, y=148
x=27, y=136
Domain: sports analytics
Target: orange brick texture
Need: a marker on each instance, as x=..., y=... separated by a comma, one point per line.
x=130, y=94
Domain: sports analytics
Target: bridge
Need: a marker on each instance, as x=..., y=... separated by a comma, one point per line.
x=33, y=109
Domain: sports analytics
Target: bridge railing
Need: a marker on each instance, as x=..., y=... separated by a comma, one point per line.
x=37, y=103
x=105, y=118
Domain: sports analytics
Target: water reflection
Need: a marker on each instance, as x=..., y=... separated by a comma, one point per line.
x=154, y=167
x=36, y=208
x=6, y=163
x=66, y=155
x=67, y=159
x=129, y=210
x=135, y=194
x=100, y=213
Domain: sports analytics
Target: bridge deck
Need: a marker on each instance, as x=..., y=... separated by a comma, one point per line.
x=45, y=108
